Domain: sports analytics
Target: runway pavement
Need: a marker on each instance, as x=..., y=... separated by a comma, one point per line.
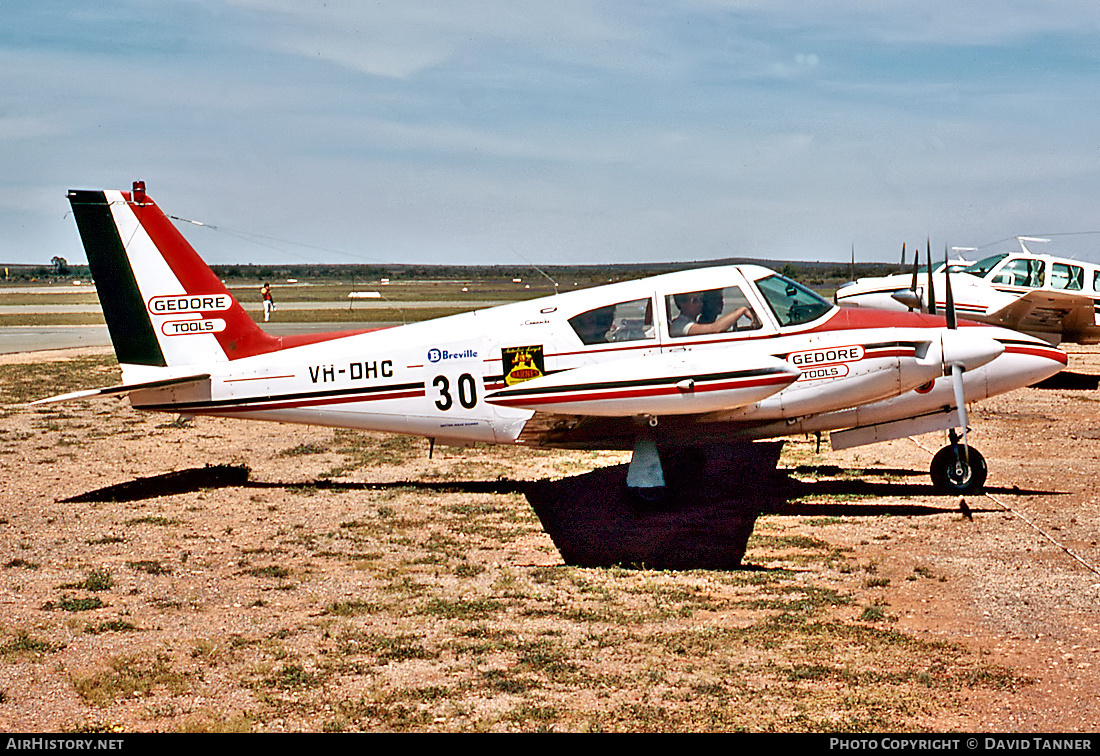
x=38, y=338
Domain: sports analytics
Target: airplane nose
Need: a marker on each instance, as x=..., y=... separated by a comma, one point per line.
x=969, y=348
x=909, y=298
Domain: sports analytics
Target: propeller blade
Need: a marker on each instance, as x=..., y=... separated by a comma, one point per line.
x=901, y=268
x=952, y=319
x=931, y=287
x=852, y=265
x=913, y=285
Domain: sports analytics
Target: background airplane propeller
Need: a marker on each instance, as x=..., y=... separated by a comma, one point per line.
x=913, y=285
x=910, y=297
x=931, y=288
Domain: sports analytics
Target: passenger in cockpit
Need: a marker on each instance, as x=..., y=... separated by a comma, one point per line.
x=592, y=326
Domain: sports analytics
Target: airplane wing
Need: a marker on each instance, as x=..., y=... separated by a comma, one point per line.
x=1047, y=311
x=680, y=383
x=123, y=389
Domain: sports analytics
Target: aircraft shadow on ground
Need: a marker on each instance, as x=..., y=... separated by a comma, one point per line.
x=229, y=476
x=1070, y=380
x=702, y=521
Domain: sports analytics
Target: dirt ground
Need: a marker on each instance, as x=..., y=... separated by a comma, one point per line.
x=355, y=584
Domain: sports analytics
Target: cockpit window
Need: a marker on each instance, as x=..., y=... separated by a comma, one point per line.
x=696, y=313
x=792, y=303
x=1023, y=271
x=982, y=267
x=625, y=321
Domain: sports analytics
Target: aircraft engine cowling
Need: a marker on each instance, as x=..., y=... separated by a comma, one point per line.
x=969, y=348
x=665, y=384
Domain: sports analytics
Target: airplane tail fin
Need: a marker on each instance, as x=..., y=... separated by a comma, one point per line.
x=163, y=305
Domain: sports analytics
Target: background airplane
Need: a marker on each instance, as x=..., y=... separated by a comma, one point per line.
x=1054, y=298
x=691, y=359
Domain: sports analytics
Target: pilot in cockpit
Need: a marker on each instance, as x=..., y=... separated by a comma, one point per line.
x=699, y=314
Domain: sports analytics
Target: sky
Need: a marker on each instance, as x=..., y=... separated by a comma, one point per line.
x=516, y=131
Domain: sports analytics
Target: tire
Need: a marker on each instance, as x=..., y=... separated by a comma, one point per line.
x=951, y=475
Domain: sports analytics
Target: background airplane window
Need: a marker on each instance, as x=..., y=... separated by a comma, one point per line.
x=695, y=313
x=1064, y=276
x=625, y=321
x=1021, y=272
x=792, y=303
x=982, y=267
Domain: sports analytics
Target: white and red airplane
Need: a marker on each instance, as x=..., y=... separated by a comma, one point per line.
x=698, y=357
x=1055, y=298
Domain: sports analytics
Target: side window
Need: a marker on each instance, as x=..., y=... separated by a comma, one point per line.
x=1063, y=276
x=1021, y=272
x=712, y=311
x=1096, y=281
x=625, y=321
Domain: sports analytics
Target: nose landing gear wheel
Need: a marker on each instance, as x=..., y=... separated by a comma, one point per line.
x=957, y=471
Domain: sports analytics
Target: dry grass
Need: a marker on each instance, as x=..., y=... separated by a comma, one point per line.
x=332, y=593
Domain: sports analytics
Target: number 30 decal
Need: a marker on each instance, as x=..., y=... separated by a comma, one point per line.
x=467, y=392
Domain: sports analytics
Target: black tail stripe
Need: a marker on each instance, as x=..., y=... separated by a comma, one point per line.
x=123, y=307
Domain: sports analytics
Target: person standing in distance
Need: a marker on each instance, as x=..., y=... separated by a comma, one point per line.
x=269, y=301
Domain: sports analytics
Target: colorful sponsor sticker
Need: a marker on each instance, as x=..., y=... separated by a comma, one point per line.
x=522, y=364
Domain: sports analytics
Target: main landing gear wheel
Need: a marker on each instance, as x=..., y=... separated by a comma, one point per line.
x=957, y=470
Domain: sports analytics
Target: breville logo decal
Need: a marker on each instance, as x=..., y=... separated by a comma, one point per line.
x=436, y=355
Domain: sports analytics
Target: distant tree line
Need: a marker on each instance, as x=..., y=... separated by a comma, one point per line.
x=812, y=273
x=807, y=272
x=58, y=269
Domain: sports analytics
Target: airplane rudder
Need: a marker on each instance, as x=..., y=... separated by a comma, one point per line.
x=120, y=296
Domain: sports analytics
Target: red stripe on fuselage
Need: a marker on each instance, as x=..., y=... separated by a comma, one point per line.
x=1057, y=355
x=298, y=403
x=875, y=353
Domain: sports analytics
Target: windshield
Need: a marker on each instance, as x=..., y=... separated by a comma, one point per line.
x=982, y=267
x=792, y=303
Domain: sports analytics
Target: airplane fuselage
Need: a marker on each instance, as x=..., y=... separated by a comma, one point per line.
x=696, y=357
